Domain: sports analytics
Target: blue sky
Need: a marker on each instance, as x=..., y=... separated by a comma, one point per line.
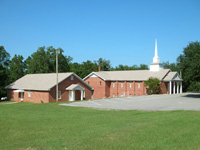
x=122, y=31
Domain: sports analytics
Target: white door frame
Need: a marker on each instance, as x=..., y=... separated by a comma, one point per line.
x=22, y=96
x=71, y=95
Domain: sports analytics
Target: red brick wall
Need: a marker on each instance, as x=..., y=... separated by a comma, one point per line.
x=107, y=90
x=141, y=90
x=36, y=96
x=13, y=96
x=163, y=88
x=64, y=93
x=99, y=91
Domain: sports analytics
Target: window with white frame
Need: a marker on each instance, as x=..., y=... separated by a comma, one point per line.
x=138, y=84
x=130, y=84
x=72, y=77
x=122, y=84
x=29, y=93
x=59, y=94
x=113, y=84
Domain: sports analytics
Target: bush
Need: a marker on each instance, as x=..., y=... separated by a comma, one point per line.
x=194, y=87
x=153, y=85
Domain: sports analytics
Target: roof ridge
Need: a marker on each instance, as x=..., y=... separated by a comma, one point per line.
x=47, y=73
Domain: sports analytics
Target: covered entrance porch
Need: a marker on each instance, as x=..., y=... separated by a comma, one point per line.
x=174, y=87
x=20, y=94
x=75, y=92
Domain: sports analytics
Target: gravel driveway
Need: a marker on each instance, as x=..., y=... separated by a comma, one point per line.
x=186, y=101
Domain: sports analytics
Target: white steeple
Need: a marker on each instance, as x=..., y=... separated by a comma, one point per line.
x=156, y=65
x=156, y=59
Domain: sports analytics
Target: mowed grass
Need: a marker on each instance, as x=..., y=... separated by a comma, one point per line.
x=50, y=126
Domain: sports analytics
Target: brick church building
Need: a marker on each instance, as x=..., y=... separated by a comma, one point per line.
x=131, y=83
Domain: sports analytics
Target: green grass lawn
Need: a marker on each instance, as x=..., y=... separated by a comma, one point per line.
x=27, y=126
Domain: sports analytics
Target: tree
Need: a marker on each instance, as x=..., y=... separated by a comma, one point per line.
x=143, y=67
x=189, y=64
x=153, y=85
x=17, y=68
x=172, y=66
x=44, y=61
x=134, y=67
x=84, y=68
x=104, y=64
x=4, y=62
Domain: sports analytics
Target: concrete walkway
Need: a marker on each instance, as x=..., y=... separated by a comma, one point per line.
x=9, y=103
x=186, y=101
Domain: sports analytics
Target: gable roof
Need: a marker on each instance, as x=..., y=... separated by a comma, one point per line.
x=131, y=75
x=172, y=76
x=74, y=87
x=41, y=82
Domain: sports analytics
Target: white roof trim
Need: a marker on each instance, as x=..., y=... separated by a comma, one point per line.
x=83, y=81
x=92, y=74
x=75, y=87
x=18, y=90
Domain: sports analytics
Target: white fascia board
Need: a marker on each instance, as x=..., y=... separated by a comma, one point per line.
x=60, y=82
x=82, y=81
x=94, y=74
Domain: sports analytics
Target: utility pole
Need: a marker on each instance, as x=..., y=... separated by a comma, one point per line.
x=57, y=52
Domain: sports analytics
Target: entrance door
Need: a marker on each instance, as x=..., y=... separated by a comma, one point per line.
x=71, y=97
x=22, y=96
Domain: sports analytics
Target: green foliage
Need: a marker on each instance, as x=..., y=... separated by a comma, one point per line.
x=189, y=64
x=17, y=68
x=194, y=87
x=172, y=66
x=134, y=67
x=104, y=64
x=88, y=66
x=26, y=126
x=4, y=62
x=44, y=61
x=84, y=68
x=153, y=85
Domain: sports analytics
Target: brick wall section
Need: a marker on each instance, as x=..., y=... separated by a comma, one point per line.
x=107, y=89
x=50, y=96
x=99, y=91
x=36, y=96
x=13, y=96
x=65, y=94
x=120, y=88
x=163, y=88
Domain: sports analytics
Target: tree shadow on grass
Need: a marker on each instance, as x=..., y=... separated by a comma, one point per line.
x=195, y=95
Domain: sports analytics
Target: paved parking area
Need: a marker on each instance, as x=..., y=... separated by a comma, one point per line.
x=185, y=101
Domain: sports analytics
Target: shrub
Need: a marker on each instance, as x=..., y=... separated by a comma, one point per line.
x=153, y=85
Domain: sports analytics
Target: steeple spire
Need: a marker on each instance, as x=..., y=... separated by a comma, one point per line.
x=156, y=59
x=156, y=65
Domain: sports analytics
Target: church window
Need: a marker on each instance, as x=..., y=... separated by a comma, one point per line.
x=113, y=84
x=138, y=84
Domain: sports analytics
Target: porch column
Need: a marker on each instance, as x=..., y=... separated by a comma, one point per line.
x=81, y=94
x=174, y=88
x=170, y=87
x=181, y=87
x=73, y=95
x=177, y=87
